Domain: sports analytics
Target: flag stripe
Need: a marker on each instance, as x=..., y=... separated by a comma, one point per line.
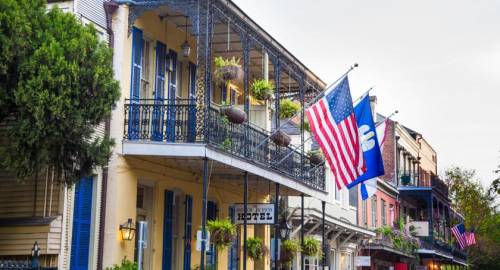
x=326, y=135
x=334, y=126
x=340, y=152
x=333, y=166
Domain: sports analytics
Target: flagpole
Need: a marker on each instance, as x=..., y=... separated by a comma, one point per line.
x=320, y=95
x=360, y=97
x=387, y=118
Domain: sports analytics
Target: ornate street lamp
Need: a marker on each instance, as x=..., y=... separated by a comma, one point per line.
x=285, y=230
x=127, y=230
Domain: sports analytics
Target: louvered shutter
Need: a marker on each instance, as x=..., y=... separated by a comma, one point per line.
x=167, y=230
x=188, y=231
x=161, y=67
x=172, y=89
x=135, y=83
x=80, y=242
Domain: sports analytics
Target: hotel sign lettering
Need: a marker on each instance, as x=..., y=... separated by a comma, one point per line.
x=257, y=213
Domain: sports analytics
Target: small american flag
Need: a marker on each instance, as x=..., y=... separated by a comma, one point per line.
x=334, y=127
x=459, y=233
x=470, y=238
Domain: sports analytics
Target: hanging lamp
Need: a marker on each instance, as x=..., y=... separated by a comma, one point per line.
x=186, y=48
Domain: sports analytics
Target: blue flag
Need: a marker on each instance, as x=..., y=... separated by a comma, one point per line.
x=370, y=145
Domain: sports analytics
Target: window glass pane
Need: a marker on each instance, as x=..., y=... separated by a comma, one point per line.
x=374, y=211
x=353, y=196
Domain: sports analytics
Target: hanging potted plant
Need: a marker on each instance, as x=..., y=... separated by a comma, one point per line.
x=262, y=89
x=227, y=69
x=256, y=249
x=316, y=157
x=233, y=114
x=312, y=247
x=222, y=232
x=281, y=138
x=289, y=249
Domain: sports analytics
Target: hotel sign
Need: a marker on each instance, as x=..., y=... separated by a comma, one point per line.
x=257, y=213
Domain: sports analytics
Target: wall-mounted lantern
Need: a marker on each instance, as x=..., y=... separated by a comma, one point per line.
x=127, y=230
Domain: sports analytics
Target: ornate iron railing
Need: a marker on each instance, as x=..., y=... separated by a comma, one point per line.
x=175, y=122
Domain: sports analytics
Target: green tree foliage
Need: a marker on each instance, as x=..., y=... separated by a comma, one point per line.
x=480, y=213
x=56, y=85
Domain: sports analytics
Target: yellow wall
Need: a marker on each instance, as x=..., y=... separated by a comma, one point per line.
x=125, y=173
x=161, y=177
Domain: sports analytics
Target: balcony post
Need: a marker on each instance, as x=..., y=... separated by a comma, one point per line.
x=302, y=98
x=302, y=230
x=246, y=76
x=276, y=224
x=323, y=237
x=245, y=222
x=203, y=28
x=204, y=213
x=277, y=83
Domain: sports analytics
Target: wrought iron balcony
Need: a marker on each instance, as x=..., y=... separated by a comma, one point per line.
x=172, y=121
x=411, y=178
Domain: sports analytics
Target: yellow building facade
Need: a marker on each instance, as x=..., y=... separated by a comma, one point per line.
x=175, y=161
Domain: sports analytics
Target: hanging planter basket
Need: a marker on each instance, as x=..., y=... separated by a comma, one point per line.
x=289, y=249
x=256, y=248
x=281, y=138
x=222, y=232
x=312, y=247
x=234, y=115
x=227, y=70
x=316, y=157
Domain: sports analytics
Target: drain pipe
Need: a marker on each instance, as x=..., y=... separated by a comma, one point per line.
x=109, y=7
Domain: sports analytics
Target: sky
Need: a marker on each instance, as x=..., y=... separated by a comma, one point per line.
x=436, y=61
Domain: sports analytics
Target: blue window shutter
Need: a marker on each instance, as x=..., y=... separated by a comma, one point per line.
x=172, y=89
x=212, y=215
x=82, y=216
x=233, y=249
x=135, y=83
x=192, y=103
x=188, y=223
x=161, y=68
x=168, y=230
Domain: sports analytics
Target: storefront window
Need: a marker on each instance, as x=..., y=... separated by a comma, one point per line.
x=311, y=263
x=345, y=261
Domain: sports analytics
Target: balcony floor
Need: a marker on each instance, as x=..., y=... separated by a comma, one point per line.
x=189, y=156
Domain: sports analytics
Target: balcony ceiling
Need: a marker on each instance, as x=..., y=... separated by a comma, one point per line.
x=226, y=42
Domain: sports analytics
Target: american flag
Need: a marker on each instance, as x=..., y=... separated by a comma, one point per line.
x=470, y=238
x=459, y=233
x=334, y=127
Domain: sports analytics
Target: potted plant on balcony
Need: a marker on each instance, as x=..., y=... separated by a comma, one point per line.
x=289, y=249
x=281, y=138
x=316, y=157
x=288, y=108
x=405, y=179
x=227, y=69
x=262, y=89
x=312, y=247
x=256, y=249
x=222, y=232
x=233, y=114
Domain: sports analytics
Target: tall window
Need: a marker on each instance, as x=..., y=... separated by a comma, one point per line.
x=391, y=214
x=146, y=70
x=374, y=211
x=364, y=209
x=382, y=212
x=337, y=193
